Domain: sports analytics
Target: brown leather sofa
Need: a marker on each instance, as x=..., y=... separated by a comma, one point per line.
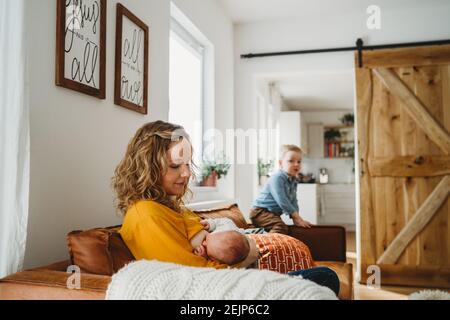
x=326, y=243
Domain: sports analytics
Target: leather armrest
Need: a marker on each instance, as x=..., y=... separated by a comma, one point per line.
x=48, y=284
x=57, y=266
x=326, y=243
x=344, y=272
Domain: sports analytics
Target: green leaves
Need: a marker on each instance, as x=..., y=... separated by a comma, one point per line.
x=348, y=119
x=221, y=166
x=264, y=167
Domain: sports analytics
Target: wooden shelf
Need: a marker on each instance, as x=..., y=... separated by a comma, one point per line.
x=338, y=157
x=340, y=141
x=339, y=127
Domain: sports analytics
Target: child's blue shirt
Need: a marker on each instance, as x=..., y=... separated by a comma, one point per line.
x=279, y=194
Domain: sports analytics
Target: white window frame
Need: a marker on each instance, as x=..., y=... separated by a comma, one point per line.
x=184, y=29
x=188, y=41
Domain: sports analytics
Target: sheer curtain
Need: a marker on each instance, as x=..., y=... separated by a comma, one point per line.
x=14, y=137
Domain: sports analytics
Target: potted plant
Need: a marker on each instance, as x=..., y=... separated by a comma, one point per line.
x=332, y=134
x=348, y=119
x=212, y=170
x=263, y=170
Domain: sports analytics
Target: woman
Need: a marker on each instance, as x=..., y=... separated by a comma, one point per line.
x=151, y=182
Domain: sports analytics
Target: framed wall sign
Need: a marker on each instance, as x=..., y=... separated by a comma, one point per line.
x=81, y=46
x=131, y=78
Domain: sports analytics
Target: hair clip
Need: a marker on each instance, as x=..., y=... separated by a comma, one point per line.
x=174, y=135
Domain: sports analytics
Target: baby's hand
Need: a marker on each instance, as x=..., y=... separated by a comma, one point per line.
x=201, y=251
x=205, y=224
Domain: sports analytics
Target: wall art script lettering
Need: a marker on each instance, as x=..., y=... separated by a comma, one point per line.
x=131, y=81
x=81, y=40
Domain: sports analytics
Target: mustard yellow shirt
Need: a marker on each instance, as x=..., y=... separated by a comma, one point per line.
x=154, y=231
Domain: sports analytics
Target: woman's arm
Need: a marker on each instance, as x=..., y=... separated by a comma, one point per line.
x=197, y=240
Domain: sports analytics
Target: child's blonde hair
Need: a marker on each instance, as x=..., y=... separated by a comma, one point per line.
x=289, y=147
x=139, y=175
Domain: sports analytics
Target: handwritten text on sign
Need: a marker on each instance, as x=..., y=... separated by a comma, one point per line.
x=132, y=77
x=82, y=42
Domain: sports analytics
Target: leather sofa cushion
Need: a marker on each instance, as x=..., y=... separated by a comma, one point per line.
x=231, y=211
x=98, y=251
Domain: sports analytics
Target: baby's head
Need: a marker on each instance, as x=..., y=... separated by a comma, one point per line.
x=291, y=159
x=229, y=247
x=157, y=166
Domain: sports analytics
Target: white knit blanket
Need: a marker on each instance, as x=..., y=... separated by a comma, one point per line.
x=154, y=280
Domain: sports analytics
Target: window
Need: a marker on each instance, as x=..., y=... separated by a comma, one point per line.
x=267, y=131
x=262, y=127
x=186, y=85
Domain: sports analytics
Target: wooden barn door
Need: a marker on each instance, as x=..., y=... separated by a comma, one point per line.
x=403, y=119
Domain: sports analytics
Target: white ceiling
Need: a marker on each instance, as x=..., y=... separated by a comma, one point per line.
x=330, y=90
x=313, y=91
x=244, y=11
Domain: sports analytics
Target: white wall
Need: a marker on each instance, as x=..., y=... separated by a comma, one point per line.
x=327, y=118
x=77, y=140
x=337, y=30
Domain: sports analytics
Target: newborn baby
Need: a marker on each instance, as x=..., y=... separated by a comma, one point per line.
x=223, y=243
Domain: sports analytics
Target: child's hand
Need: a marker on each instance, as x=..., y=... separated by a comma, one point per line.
x=205, y=224
x=299, y=222
x=201, y=251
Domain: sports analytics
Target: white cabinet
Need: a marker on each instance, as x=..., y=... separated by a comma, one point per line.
x=290, y=128
x=293, y=129
x=303, y=134
x=308, y=203
x=338, y=204
x=326, y=204
x=315, y=140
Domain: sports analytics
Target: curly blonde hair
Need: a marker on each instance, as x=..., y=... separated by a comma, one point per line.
x=139, y=175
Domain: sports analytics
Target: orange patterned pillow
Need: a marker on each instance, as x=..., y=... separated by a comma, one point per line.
x=282, y=253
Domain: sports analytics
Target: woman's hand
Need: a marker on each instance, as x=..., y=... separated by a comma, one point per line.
x=205, y=224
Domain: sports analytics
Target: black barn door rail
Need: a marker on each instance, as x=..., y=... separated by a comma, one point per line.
x=359, y=47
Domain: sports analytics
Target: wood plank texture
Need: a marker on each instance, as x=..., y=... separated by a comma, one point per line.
x=416, y=109
x=405, y=275
x=364, y=98
x=417, y=223
x=406, y=57
x=404, y=152
x=409, y=166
